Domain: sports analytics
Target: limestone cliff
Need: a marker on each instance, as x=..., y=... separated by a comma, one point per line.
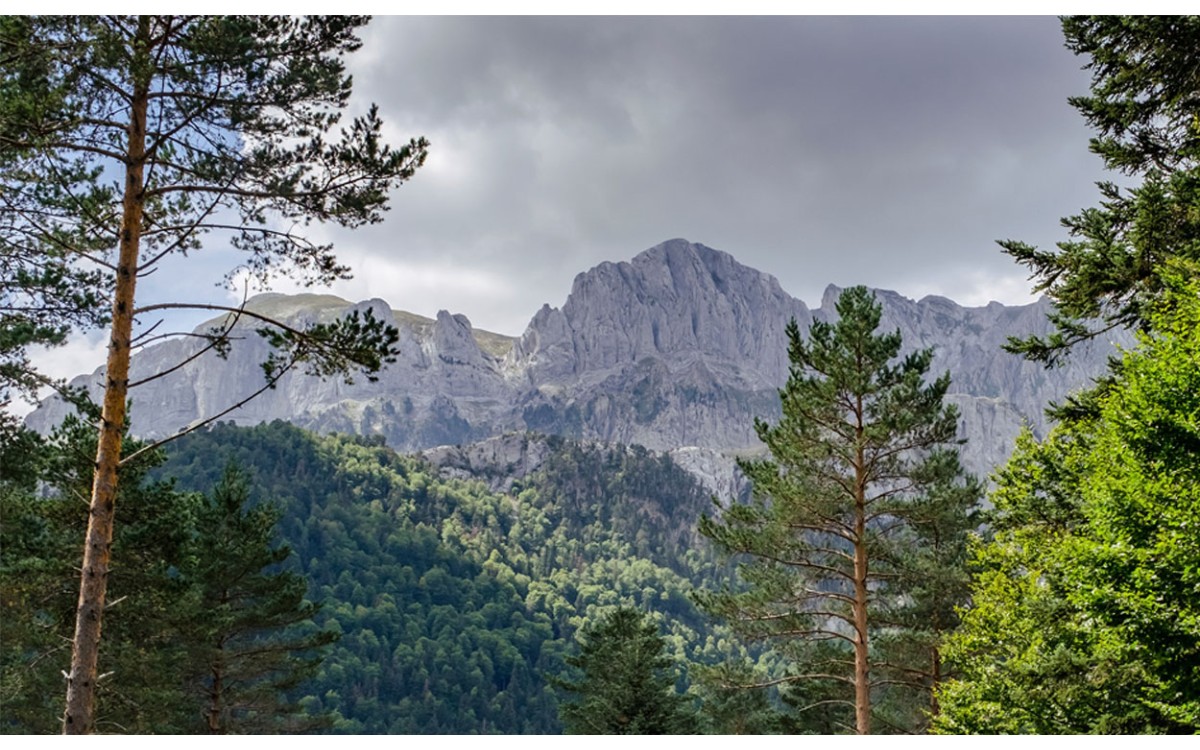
x=679, y=348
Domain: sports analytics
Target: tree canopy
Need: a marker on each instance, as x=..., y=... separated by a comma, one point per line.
x=1086, y=616
x=125, y=140
x=626, y=685
x=1145, y=107
x=835, y=550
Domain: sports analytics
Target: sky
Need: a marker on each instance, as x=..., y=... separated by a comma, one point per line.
x=891, y=152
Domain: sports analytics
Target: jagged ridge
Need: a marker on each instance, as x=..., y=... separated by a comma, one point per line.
x=681, y=346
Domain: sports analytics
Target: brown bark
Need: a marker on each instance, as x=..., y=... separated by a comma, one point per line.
x=862, y=666
x=936, y=674
x=213, y=714
x=79, y=716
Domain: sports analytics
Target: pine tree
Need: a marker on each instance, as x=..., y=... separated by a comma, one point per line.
x=626, y=685
x=728, y=708
x=124, y=140
x=142, y=691
x=863, y=468
x=205, y=632
x=252, y=640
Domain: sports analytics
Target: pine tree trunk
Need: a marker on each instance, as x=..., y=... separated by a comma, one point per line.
x=862, y=666
x=214, y=700
x=79, y=716
x=936, y=675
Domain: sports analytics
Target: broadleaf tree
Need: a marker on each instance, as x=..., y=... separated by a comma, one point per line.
x=127, y=141
x=863, y=468
x=1086, y=611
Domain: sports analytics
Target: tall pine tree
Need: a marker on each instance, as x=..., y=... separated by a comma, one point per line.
x=863, y=470
x=125, y=139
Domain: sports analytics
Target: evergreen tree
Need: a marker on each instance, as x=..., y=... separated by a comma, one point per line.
x=726, y=707
x=188, y=602
x=124, y=140
x=1145, y=106
x=863, y=469
x=253, y=639
x=44, y=511
x=626, y=685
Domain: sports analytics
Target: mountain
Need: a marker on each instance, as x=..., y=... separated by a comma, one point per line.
x=677, y=350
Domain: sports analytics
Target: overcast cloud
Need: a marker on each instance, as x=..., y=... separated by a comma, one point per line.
x=891, y=152
x=886, y=151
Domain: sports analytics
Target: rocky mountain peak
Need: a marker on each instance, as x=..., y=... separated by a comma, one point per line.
x=829, y=300
x=681, y=301
x=454, y=340
x=680, y=346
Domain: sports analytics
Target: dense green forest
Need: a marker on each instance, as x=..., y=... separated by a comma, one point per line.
x=453, y=604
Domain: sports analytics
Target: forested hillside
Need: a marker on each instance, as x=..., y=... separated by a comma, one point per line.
x=453, y=602
x=542, y=566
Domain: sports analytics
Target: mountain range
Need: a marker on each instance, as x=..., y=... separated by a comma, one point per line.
x=677, y=350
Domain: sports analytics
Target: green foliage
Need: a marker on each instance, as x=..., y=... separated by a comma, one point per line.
x=42, y=298
x=252, y=639
x=43, y=294
x=1144, y=107
x=457, y=603
x=191, y=589
x=1086, y=616
x=851, y=552
x=39, y=578
x=625, y=685
x=328, y=349
x=727, y=706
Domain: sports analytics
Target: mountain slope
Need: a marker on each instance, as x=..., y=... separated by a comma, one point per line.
x=681, y=347
x=455, y=603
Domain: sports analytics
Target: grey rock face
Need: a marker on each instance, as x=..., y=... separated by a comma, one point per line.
x=500, y=460
x=682, y=347
x=679, y=303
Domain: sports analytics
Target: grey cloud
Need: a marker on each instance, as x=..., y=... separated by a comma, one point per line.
x=887, y=151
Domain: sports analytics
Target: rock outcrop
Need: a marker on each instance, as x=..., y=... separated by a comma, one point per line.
x=680, y=348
